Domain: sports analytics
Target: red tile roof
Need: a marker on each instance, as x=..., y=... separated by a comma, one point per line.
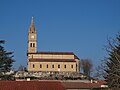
x=51, y=60
x=31, y=85
x=102, y=81
x=81, y=85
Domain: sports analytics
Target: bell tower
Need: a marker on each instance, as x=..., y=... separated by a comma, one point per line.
x=32, y=38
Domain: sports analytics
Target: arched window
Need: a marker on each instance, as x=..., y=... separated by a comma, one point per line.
x=47, y=66
x=59, y=66
x=64, y=66
x=71, y=66
x=30, y=44
x=53, y=66
x=40, y=65
x=33, y=44
x=33, y=66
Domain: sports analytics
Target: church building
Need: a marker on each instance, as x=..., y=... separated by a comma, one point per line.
x=49, y=61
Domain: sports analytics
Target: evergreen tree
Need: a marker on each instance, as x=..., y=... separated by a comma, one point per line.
x=113, y=64
x=6, y=60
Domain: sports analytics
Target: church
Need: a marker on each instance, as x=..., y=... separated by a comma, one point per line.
x=49, y=61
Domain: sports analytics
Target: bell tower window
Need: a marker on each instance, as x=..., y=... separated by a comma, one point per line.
x=33, y=44
x=30, y=44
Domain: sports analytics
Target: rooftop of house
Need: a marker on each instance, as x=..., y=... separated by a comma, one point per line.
x=58, y=53
x=48, y=85
x=51, y=60
x=31, y=85
x=55, y=53
x=81, y=85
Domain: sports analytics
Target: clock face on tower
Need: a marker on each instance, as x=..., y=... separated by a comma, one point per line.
x=32, y=36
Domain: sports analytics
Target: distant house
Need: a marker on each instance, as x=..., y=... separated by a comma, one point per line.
x=49, y=61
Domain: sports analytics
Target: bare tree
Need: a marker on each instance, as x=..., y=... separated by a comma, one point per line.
x=86, y=66
x=22, y=68
x=99, y=70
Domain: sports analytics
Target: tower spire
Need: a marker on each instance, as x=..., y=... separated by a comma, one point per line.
x=32, y=38
x=32, y=27
x=32, y=22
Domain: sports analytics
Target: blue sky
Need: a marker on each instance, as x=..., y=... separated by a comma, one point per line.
x=79, y=26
